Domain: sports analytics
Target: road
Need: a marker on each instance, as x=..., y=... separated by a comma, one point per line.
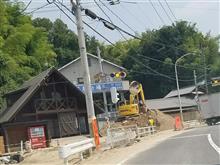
x=196, y=146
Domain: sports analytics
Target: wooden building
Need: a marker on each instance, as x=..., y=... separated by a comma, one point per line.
x=49, y=100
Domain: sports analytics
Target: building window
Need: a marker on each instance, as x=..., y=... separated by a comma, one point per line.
x=80, y=80
x=89, y=62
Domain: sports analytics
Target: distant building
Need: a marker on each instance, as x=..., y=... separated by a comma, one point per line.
x=170, y=103
x=74, y=70
x=50, y=101
x=189, y=92
x=171, y=106
x=101, y=83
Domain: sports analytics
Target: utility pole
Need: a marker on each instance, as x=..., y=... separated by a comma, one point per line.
x=195, y=81
x=102, y=75
x=205, y=71
x=197, y=95
x=87, y=82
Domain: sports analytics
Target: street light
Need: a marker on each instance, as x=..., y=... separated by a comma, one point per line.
x=177, y=84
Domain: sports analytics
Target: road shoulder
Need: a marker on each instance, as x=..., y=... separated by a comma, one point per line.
x=120, y=155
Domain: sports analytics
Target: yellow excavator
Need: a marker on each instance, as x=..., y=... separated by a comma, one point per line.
x=136, y=103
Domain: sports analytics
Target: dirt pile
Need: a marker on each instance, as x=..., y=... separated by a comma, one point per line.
x=166, y=121
x=163, y=121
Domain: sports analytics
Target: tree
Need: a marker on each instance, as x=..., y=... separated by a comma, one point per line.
x=24, y=49
x=151, y=61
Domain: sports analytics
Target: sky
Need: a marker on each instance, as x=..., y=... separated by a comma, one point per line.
x=137, y=15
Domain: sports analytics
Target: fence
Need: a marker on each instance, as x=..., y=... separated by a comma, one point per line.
x=118, y=138
x=143, y=131
x=191, y=124
x=127, y=134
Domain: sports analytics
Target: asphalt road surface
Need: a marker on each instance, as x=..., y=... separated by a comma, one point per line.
x=198, y=146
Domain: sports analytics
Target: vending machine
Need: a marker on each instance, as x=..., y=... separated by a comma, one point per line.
x=37, y=137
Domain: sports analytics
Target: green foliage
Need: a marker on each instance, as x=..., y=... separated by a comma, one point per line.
x=166, y=45
x=24, y=49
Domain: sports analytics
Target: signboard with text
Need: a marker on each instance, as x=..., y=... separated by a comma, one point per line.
x=105, y=87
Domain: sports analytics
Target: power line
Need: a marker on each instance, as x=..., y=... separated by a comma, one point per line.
x=156, y=12
x=83, y=21
x=26, y=6
x=156, y=72
x=157, y=60
x=170, y=9
x=41, y=7
x=165, y=11
x=137, y=19
x=118, y=17
x=103, y=11
x=158, y=43
x=153, y=74
x=143, y=11
x=105, y=37
x=108, y=17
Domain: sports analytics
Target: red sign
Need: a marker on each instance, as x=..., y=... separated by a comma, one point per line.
x=37, y=137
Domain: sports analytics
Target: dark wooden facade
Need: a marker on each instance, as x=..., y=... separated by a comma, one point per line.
x=55, y=104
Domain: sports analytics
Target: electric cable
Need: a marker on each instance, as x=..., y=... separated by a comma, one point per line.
x=41, y=7
x=165, y=11
x=170, y=9
x=161, y=19
x=26, y=6
x=108, y=17
x=83, y=21
x=118, y=17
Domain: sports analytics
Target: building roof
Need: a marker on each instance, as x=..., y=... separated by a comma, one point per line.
x=93, y=56
x=170, y=103
x=182, y=91
x=31, y=87
x=32, y=81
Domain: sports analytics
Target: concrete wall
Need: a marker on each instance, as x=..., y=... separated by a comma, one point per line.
x=75, y=70
x=187, y=115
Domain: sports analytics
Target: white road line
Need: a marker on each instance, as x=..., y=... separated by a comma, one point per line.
x=211, y=142
x=181, y=137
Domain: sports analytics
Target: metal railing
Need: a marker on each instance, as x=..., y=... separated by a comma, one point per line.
x=144, y=131
x=127, y=134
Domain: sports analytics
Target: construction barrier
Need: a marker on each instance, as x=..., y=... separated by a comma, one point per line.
x=127, y=134
x=74, y=148
x=178, y=123
x=144, y=131
x=120, y=137
x=191, y=124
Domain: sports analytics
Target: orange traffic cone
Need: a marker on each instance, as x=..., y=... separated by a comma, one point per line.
x=178, y=123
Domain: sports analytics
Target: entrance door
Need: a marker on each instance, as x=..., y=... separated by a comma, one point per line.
x=68, y=124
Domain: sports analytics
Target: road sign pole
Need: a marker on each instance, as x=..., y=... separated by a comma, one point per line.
x=87, y=83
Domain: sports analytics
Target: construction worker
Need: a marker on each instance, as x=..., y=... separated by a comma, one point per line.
x=151, y=121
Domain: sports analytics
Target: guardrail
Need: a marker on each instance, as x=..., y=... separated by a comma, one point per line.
x=120, y=137
x=74, y=148
x=143, y=131
x=128, y=127
x=191, y=123
x=127, y=134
